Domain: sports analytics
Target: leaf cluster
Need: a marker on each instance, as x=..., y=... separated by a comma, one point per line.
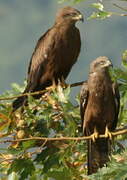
x=53, y=115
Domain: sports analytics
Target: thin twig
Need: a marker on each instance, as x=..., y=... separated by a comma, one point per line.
x=117, y=14
x=116, y=133
x=24, y=94
x=122, y=8
x=38, y=150
x=6, y=160
x=37, y=92
x=77, y=84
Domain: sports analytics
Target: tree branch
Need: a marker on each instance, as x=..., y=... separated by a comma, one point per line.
x=116, y=133
x=124, y=9
x=38, y=92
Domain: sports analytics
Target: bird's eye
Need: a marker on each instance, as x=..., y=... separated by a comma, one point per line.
x=73, y=14
x=101, y=63
x=66, y=15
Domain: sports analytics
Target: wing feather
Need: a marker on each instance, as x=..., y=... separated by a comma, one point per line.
x=39, y=60
x=117, y=103
x=84, y=93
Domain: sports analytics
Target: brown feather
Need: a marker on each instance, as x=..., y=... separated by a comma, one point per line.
x=101, y=109
x=55, y=53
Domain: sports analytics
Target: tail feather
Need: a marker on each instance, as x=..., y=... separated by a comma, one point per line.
x=98, y=154
x=20, y=101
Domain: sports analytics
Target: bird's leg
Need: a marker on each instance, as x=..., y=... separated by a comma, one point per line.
x=53, y=86
x=63, y=83
x=108, y=133
x=95, y=134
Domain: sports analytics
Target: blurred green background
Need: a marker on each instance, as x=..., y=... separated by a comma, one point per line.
x=22, y=22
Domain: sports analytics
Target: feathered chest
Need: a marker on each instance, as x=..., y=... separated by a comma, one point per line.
x=100, y=90
x=65, y=48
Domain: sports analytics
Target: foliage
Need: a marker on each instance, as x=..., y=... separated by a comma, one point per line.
x=117, y=169
x=54, y=115
x=121, y=75
x=99, y=11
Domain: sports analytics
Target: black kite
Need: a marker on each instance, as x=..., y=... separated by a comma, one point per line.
x=55, y=53
x=99, y=108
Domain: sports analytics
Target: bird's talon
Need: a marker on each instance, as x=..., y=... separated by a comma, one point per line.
x=63, y=83
x=108, y=134
x=94, y=136
x=51, y=88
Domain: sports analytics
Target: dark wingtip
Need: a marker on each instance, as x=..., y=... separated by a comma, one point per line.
x=20, y=101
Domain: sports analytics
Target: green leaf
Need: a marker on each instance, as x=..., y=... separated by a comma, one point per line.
x=98, y=6
x=24, y=167
x=100, y=15
x=60, y=174
x=61, y=95
x=11, y=150
x=13, y=176
x=124, y=55
x=50, y=162
x=41, y=157
x=17, y=88
x=121, y=74
x=124, y=59
x=28, y=144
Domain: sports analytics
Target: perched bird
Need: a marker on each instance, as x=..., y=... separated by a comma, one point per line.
x=55, y=53
x=99, y=108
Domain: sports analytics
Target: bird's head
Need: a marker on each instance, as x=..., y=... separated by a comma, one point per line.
x=69, y=14
x=102, y=63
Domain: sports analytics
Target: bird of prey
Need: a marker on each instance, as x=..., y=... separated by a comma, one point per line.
x=55, y=53
x=99, y=108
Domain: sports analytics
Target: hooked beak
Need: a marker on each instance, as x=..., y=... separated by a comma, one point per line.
x=109, y=64
x=79, y=17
